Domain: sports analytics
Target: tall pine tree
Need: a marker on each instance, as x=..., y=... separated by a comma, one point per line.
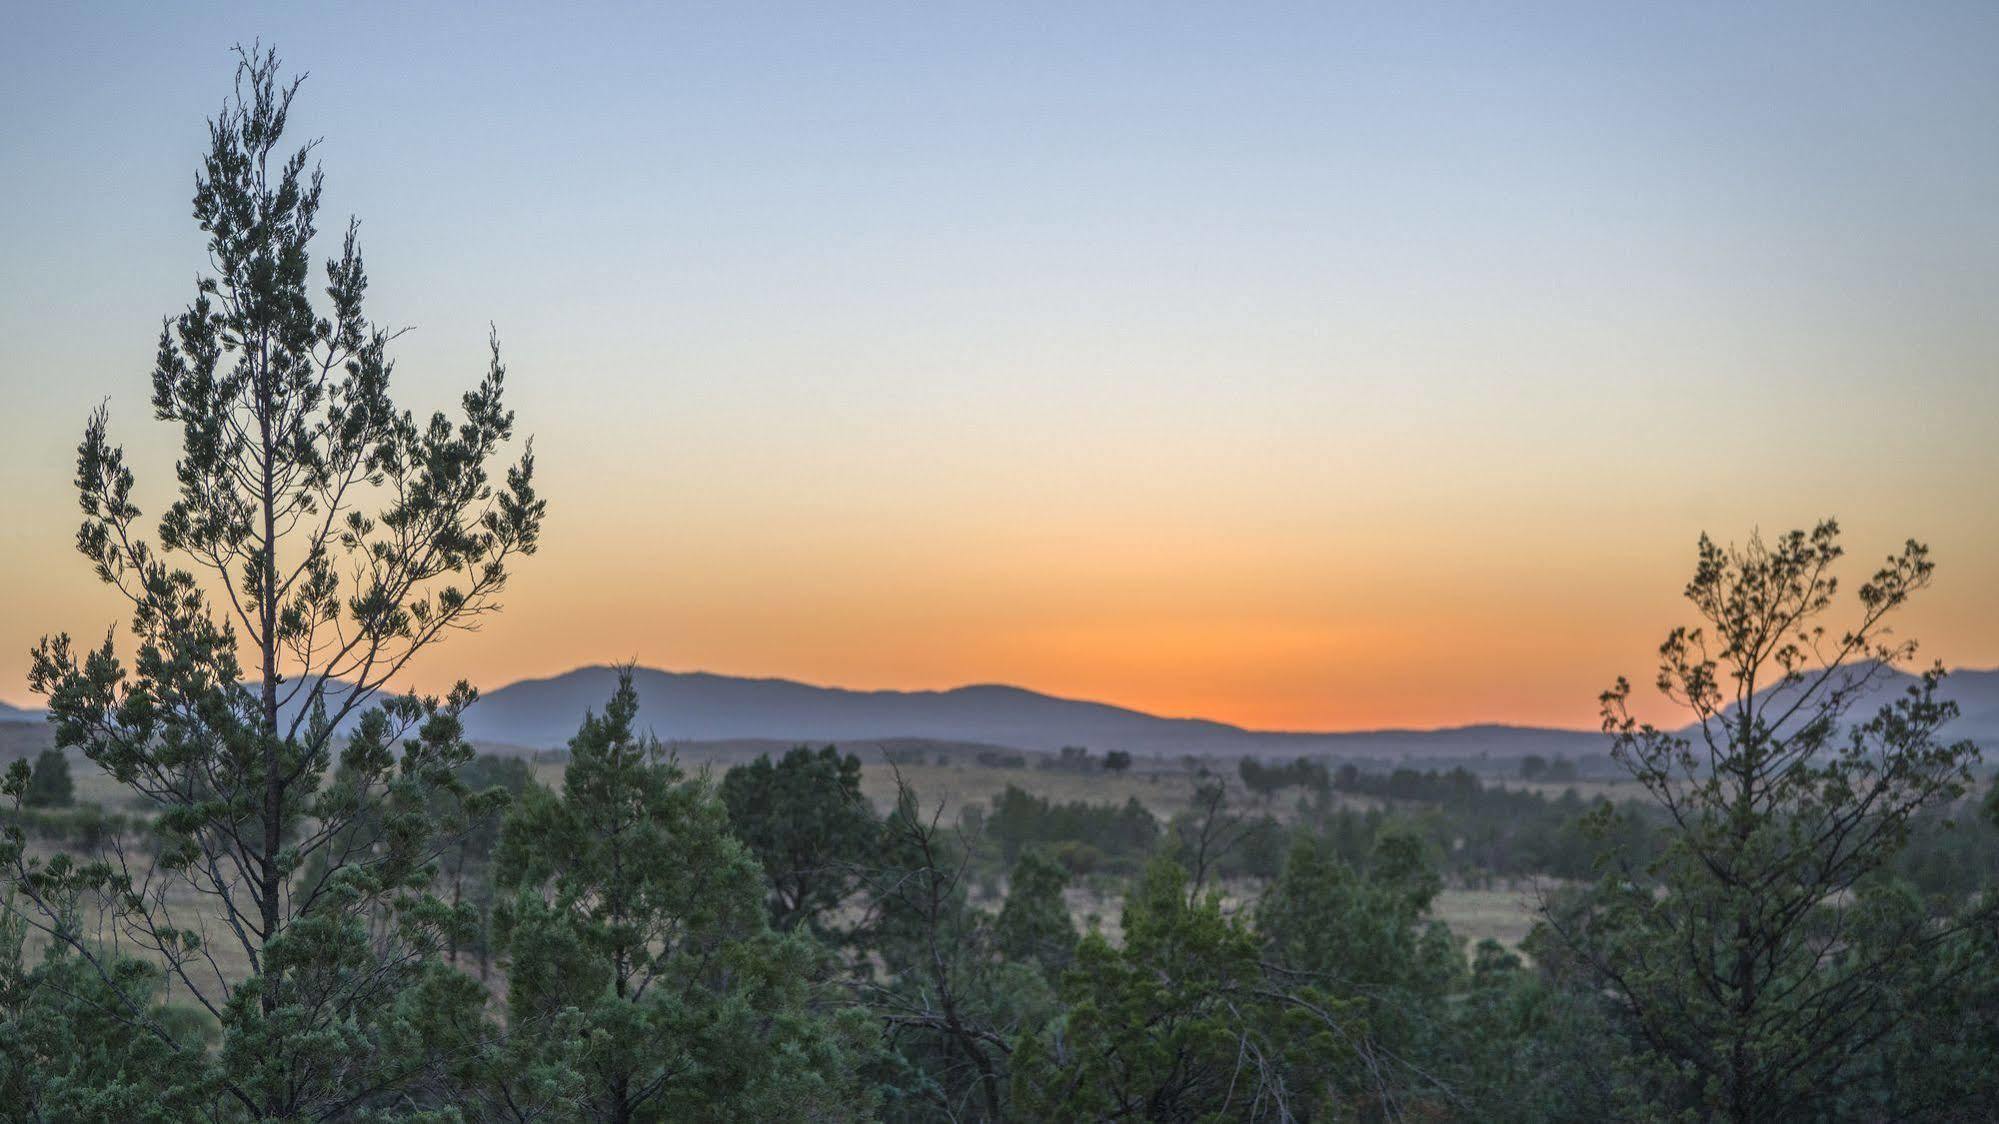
x=319, y=540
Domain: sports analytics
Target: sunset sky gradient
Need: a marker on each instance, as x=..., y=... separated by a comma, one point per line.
x=1299, y=366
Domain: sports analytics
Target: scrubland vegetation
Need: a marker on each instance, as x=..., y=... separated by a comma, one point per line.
x=269, y=889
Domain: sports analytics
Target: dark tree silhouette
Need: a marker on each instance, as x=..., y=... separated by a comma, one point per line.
x=1773, y=958
x=325, y=537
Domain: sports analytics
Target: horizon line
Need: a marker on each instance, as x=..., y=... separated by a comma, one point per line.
x=788, y=681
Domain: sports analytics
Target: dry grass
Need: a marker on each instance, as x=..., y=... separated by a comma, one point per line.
x=1611, y=790
x=95, y=786
x=224, y=963
x=1505, y=916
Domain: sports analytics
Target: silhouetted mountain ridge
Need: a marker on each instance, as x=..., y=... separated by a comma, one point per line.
x=706, y=707
x=1975, y=691
x=710, y=708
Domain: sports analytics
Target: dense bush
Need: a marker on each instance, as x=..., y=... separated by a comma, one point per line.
x=1123, y=834
x=49, y=785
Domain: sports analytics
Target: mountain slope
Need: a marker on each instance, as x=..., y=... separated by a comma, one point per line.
x=1976, y=694
x=697, y=706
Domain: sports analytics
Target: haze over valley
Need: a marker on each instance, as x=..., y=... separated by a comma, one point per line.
x=693, y=707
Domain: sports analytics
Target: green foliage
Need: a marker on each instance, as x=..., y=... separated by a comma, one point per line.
x=1365, y=939
x=1020, y=819
x=1935, y=1061
x=1363, y=933
x=68, y=1051
x=49, y=785
x=329, y=537
x=805, y=820
x=1181, y=1023
x=465, y=865
x=1766, y=952
x=1540, y=1044
x=644, y=981
x=1952, y=854
x=934, y=970
x=1486, y=830
x=1034, y=926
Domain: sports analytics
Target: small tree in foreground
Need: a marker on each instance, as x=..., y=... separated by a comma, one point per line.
x=69, y=1052
x=326, y=537
x=1772, y=954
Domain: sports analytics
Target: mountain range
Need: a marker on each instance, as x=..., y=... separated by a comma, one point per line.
x=701, y=707
x=696, y=706
x=686, y=707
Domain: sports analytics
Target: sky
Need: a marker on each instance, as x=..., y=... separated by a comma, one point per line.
x=1316, y=366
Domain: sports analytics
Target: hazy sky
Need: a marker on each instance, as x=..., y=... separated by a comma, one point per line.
x=1299, y=366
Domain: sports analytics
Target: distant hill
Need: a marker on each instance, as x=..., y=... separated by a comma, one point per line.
x=700, y=707
x=728, y=714
x=23, y=733
x=1976, y=694
x=24, y=739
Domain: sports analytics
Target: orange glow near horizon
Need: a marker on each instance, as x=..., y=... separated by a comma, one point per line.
x=1252, y=637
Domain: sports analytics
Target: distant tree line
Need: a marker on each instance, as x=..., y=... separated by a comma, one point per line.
x=1560, y=770
x=1266, y=780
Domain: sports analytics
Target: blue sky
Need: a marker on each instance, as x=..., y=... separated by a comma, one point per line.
x=1251, y=359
